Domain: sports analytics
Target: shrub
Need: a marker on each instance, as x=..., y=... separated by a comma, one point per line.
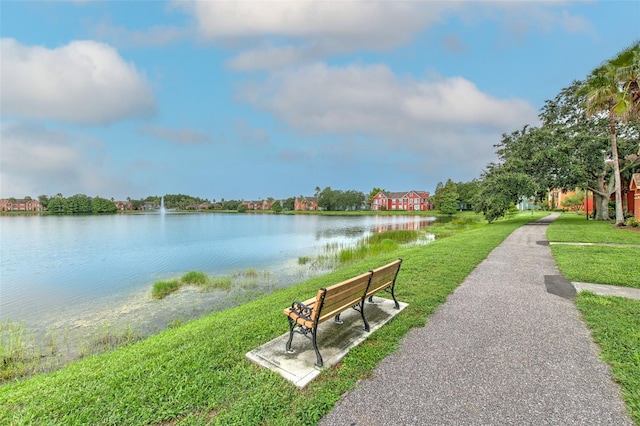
x=633, y=222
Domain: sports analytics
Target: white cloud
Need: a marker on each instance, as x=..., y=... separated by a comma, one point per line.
x=35, y=160
x=274, y=34
x=372, y=100
x=362, y=22
x=433, y=122
x=309, y=29
x=83, y=82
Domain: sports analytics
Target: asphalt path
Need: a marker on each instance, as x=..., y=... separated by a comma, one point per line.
x=501, y=351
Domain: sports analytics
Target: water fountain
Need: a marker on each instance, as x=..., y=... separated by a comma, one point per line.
x=163, y=210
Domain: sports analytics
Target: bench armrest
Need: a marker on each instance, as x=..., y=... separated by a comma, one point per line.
x=302, y=310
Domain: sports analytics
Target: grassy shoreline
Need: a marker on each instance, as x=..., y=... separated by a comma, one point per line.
x=197, y=374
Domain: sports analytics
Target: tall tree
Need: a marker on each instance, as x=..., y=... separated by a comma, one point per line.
x=612, y=89
x=577, y=145
x=44, y=201
x=289, y=204
x=467, y=192
x=435, y=198
x=373, y=193
x=499, y=189
x=449, y=198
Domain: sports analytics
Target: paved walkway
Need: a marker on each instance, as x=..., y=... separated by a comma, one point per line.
x=501, y=350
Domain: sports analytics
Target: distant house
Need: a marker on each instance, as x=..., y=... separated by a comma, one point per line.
x=556, y=198
x=306, y=203
x=634, y=189
x=20, y=205
x=199, y=206
x=123, y=205
x=258, y=205
x=407, y=201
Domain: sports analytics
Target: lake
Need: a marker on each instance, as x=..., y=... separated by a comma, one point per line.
x=75, y=273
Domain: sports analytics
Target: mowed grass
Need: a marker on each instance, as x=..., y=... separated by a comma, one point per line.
x=618, y=266
x=614, y=321
x=571, y=227
x=598, y=264
x=615, y=325
x=197, y=374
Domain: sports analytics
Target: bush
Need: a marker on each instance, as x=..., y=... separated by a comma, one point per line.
x=633, y=222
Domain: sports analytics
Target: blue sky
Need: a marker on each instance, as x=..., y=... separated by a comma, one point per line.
x=256, y=99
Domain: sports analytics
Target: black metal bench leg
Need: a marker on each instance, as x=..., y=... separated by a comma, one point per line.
x=393, y=294
x=337, y=319
x=366, y=324
x=292, y=325
x=319, y=361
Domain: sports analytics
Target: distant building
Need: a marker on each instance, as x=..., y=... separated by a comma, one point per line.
x=20, y=205
x=407, y=201
x=258, y=205
x=123, y=205
x=306, y=203
x=557, y=197
x=634, y=189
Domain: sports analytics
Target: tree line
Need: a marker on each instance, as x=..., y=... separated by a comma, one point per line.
x=77, y=204
x=327, y=199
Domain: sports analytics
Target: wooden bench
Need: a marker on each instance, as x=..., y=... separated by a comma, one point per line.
x=304, y=317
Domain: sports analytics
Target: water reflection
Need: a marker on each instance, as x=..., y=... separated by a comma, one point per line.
x=350, y=232
x=416, y=224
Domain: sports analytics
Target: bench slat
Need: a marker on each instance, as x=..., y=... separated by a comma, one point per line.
x=383, y=277
x=347, y=292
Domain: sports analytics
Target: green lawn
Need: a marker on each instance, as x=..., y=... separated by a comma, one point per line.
x=614, y=322
x=197, y=374
x=599, y=264
x=571, y=227
x=615, y=326
x=593, y=263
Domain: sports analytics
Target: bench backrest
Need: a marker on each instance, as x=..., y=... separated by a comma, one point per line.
x=341, y=296
x=383, y=277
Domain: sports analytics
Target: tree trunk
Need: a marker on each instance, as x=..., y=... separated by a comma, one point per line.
x=601, y=204
x=601, y=195
x=616, y=169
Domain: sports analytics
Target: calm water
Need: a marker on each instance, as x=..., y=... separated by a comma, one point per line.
x=75, y=272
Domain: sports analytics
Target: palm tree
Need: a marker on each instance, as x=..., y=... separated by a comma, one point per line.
x=627, y=65
x=613, y=88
